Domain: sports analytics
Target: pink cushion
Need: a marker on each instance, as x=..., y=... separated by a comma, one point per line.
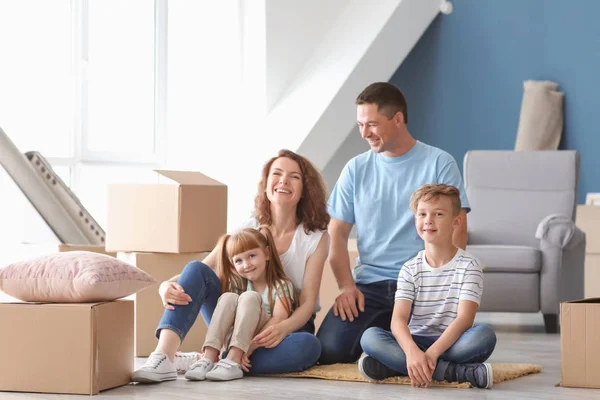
x=72, y=277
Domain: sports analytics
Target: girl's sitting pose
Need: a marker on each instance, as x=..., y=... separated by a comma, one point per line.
x=256, y=295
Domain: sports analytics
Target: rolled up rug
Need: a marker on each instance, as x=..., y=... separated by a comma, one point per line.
x=541, y=120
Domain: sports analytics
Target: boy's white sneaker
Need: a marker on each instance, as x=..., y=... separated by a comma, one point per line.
x=183, y=361
x=199, y=369
x=158, y=368
x=225, y=370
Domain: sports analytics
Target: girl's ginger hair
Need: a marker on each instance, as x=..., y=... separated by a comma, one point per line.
x=312, y=207
x=247, y=239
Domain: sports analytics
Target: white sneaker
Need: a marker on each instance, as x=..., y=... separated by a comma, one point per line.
x=199, y=369
x=225, y=370
x=158, y=368
x=183, y=361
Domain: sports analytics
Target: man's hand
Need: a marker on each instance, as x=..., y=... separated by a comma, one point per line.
x=346, y=304
x=418, y=369
x=171, y=293
x=271, y=336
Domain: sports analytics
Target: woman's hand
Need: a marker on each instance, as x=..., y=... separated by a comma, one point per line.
x=271, y=336
x=246, y=357
x=171, y=293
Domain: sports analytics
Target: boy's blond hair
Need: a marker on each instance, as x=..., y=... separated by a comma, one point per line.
x=432, y=192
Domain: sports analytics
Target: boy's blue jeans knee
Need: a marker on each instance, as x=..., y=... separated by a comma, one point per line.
x=298, y=351
x=474, y=346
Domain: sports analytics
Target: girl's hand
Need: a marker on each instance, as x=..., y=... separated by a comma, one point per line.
x=246, y=358
x=171, y=293
x=271, y=337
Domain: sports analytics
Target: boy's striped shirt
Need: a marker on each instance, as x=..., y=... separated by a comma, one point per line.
x=436, y=292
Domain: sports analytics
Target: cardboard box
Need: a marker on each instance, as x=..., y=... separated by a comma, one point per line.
x=580, y=343
x=329, y=287
x=66, y=348
x=588, y=220
x=63, y=247
x=148, y=305
x=186, y=216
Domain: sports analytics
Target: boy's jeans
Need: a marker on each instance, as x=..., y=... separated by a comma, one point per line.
x=300, y=350
x=340, y=340
x=474, y=346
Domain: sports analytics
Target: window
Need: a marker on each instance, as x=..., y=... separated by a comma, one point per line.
x=87, y=83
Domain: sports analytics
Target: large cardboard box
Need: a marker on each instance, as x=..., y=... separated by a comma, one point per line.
x=66, y=348
x=148, y=305
x=329, y=287
x=588, y=220
x=580, y=343
x=94, y=248
x=185, y=216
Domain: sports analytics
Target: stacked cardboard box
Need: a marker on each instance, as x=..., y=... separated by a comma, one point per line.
x=160, y=228
x=588, y=220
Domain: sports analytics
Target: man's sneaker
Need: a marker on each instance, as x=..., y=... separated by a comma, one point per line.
x=374, y=370
x=225, y=370
x=158, y=368
x=478, y=375
x=199, y=369
x=183, y=361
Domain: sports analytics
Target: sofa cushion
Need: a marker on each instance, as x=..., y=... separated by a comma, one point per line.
x=505, y=258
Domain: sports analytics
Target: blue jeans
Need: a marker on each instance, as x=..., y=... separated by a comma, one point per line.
x=474, y=346
x=340, y=340
x=300, y=350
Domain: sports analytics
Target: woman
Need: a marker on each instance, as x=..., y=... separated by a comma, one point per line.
x=291, y=201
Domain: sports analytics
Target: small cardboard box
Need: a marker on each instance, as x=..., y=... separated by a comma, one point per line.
x=329, y=287
x=580, y=343
x=148, y=305
x=94, y=248
x=66, y=348
x=588, y=220
x=188, y=215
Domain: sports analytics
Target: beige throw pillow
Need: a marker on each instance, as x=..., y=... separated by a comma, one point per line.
x=73, y=277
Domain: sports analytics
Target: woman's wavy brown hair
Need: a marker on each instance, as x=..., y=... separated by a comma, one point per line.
x=312, y=207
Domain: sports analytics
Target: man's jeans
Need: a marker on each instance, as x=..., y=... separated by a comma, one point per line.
x=340, y=340
x=474, y=346
x=298, y=351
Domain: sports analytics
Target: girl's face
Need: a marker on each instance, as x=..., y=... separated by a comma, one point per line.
x=284, y=183
x=252, y=264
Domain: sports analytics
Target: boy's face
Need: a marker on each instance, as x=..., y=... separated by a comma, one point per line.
x=435, y=221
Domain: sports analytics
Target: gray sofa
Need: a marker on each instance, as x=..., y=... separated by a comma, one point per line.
x=522, y=229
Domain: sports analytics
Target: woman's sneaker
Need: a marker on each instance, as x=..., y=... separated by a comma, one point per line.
x=373, y=370
x=479, y=375
x=158, y=368
x=183, y=361
x=199, y=369
x=225, y=370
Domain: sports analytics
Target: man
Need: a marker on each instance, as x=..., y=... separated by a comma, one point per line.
x=373, y=192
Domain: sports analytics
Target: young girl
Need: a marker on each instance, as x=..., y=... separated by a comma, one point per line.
x=256, y=295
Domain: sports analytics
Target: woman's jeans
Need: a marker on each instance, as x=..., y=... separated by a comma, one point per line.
x=300, y=350
x=474, y=346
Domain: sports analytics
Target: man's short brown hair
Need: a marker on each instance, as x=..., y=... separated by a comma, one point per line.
x=388, y=98
x=432, y=192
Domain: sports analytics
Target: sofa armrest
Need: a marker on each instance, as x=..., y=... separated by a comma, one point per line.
x=559, y=231
x=562, y=245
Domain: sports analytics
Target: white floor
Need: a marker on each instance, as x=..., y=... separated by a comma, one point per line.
x=521, y=338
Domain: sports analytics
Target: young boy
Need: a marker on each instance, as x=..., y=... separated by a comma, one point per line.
x=437, y=296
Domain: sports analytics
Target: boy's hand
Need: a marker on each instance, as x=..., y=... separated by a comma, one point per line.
x=419, y=371
x=432, y=359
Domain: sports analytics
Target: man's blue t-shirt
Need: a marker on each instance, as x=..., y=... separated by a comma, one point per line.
x=373, y=192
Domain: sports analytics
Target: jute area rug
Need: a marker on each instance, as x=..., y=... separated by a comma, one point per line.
x=349, y=372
